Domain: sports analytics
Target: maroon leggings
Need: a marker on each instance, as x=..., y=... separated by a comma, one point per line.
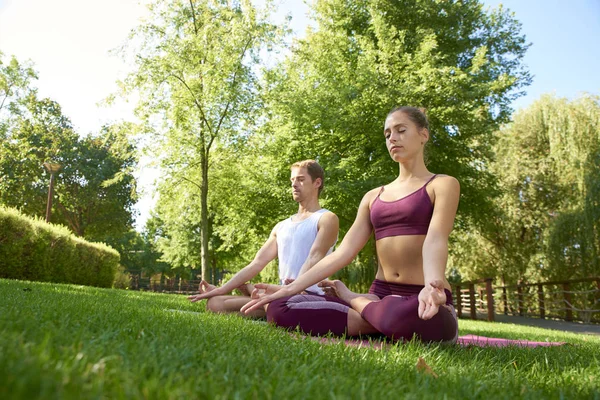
x=395, y=315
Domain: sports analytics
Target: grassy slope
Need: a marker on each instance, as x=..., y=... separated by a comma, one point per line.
x=64, y=341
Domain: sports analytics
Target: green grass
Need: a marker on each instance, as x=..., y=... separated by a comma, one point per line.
x=72, y=342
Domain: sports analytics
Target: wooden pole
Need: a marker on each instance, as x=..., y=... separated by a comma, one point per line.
x=520, y=299
x=568, y=302
x=458, y=301
x=490, y=299
x=541, y=301
x=49, y=203
x=472, y=300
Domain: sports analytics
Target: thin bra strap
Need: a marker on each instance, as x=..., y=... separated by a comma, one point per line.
x=380, y=191
x=430, y=179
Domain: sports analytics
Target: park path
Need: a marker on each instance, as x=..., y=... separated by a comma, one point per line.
x=564, y=326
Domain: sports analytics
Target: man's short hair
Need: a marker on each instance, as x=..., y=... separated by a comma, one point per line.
x=314, y=170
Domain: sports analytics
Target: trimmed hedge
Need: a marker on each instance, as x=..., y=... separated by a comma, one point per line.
x=31, y=249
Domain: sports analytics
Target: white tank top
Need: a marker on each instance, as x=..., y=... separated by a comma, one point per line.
x=294, y=241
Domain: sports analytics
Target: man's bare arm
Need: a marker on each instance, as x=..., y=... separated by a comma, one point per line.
x=266, y=254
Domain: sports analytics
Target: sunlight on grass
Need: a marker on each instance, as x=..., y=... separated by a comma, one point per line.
x=62, y=341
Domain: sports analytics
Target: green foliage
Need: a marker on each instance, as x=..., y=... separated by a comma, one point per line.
x=460, y=63
x=138, y=253
x=95, y=187
x=70, y=342
x=329, y=98
x=226, y=137
x=122, y=279
x=546, y=223
x=34, y=250
x=195, y=70
x=15, y=80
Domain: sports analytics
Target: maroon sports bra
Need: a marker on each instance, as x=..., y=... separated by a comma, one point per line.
x=409, y=215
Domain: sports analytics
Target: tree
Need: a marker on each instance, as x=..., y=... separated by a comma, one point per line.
x=329, y=98
x=97, y=190
x=548, y=164
x=195, y=70
x=15, y=85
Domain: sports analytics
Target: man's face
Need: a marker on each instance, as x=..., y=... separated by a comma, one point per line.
x=303, y=186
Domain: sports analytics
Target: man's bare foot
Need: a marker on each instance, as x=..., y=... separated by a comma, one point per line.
x=243, y=288
x=205, y=287
x=338, y=289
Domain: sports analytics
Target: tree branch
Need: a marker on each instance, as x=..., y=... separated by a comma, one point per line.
x=195, y=100
x=235, y=76
x=194, y=17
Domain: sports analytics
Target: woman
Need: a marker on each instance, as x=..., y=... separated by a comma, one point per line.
x=412, y=218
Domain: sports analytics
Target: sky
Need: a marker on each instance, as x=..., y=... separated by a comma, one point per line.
x=69, y=42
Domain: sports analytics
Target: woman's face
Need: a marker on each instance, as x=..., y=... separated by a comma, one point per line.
x=403, y=138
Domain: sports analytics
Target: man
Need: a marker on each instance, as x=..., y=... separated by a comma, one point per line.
x=299, y=242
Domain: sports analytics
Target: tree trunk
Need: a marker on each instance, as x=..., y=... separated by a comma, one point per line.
x=213, y=272
x=205, y=259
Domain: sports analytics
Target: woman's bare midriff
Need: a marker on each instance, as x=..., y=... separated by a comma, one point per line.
x=401, y=259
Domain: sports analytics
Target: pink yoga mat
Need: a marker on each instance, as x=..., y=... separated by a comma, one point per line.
x=482, y=341
x=466, y=340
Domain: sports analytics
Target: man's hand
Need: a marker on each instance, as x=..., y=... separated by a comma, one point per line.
x=263, y=289
x=264, y=294
x=206, y=292
x=431, y=297
x=329, y=288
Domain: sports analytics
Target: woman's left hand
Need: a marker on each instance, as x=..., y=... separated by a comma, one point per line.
x=431, y=297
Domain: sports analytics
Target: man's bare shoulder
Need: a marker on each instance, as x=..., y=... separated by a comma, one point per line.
x=328, y=218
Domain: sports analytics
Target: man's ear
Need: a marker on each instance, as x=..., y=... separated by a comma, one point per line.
x=318, y=182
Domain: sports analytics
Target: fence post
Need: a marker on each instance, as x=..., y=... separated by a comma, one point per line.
x=458, y=301
x=568, y=302
x=472, y=300
x=541, y=301
x=520, y=299
x=505, y=300
x=490, y=299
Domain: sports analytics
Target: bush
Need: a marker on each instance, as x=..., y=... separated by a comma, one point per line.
x=122, y=279
x=31, y=249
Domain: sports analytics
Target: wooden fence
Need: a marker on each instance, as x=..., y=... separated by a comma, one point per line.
x=570, y=300
x=173, y=285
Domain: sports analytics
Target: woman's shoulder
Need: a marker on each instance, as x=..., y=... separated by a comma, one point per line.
x=371, y=194
x=445, y=183
x=369, y=197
